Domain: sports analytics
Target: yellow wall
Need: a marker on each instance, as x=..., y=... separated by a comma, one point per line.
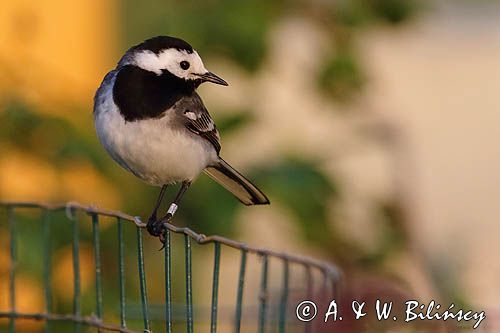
x=53, y=55
x=56, y=50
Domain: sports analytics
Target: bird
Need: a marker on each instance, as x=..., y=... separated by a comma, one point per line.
x=152, y=122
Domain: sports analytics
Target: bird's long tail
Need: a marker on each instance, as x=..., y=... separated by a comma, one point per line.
x=236, y=183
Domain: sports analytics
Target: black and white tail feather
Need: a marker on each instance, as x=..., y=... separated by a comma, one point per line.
x=236, y=183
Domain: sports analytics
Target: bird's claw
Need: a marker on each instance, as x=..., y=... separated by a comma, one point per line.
x=162, y=237
x=164, y=220
x=157, y=228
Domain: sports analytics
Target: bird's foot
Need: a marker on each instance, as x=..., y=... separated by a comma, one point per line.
x=164, y=220
x=155, y=227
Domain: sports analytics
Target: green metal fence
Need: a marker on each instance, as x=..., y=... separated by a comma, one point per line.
x=329, y=274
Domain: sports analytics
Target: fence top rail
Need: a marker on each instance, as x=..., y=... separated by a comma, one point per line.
x=328, y=269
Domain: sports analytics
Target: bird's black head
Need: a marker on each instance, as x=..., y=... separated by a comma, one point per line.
x=164, y=54
x=154, y=75
x=160, y=43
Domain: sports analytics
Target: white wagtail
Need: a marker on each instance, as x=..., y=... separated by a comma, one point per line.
x=152, y=122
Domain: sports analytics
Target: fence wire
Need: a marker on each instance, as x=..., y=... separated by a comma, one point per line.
x=331, y=275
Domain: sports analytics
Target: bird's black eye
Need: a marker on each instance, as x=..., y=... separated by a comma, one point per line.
x=184, y=65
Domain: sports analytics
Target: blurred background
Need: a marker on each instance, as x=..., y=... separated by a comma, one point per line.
x=373, y=126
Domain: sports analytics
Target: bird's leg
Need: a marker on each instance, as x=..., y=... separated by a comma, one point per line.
x=174, y=205
x=152, y=225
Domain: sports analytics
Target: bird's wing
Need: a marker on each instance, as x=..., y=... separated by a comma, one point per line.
x=197, y=119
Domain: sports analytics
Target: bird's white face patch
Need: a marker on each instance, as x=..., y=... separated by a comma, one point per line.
x=170, y=59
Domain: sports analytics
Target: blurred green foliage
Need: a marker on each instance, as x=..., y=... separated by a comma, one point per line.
x=47, y=136
x=393, y=11
x=392, y=236
x=342, y=77
x=357, y=13
x=298, y=185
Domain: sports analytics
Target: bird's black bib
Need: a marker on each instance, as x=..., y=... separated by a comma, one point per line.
x=141, y=94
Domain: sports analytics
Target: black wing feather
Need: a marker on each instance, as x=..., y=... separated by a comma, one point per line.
x=198, y=120
x=211, y=136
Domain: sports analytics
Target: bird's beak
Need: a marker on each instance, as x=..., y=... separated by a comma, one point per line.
x=211, y=77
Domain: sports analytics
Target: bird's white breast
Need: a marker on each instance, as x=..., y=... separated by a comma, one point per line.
x=149, y=148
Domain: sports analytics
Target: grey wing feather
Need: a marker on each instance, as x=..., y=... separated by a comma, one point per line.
x=197, y=119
